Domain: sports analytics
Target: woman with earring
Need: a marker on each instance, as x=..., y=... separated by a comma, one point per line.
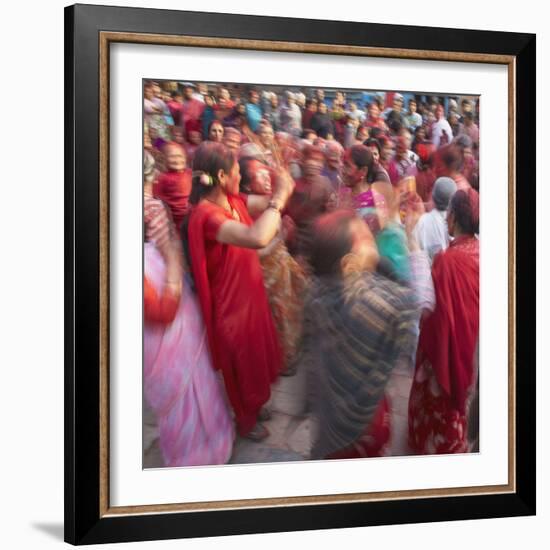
x=445, y=377
x=180, y=386
x=357, y=326
x=222, y=240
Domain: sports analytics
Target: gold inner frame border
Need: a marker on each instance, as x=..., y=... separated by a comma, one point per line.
x=105, y=39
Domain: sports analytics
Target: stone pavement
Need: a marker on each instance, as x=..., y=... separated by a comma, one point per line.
x=290, y=426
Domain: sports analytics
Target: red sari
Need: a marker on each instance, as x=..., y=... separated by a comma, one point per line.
x=445, y=375
x=241, y=332
x=174, y=188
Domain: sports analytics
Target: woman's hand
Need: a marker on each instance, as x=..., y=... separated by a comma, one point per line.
x=284, y=187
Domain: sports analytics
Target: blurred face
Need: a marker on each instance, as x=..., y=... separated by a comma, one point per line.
x=351, y=173
x=260, y=179
x=157, y=91
x=387, y=150
x=376, y=155
x=274, y=100
x=439, y=112
x=177, y=134
x=208, y=101
x=397, y=105
x=266, y=135
x=230, y=182
x=148, y=92
x=232, y=140
x=188, y=93
x=401, y=148
x=312, y=166
x=374, y=111
x=203, y=89
x=216, y=133
x=322, y=108
x=421, y=134
x=412, y=106
x=175, y=158
x=334, y=160
x=224, y=94
x=362, y=134
x=254, y=97
x=466, y=107
x=320, y=95
x=195, y=137
x=364, y=247
x=147, y=141
x=407, y=136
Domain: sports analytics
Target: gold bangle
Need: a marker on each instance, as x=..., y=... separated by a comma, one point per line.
x=275, y=205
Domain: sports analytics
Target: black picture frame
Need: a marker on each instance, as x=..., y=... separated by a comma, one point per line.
x=84, y=521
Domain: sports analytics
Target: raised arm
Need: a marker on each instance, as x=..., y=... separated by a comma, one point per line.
x=260, y=233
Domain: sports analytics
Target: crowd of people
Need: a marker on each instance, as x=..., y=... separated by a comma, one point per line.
x=289, y=230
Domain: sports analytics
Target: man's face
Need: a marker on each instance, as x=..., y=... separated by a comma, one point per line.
x=439, y=112
x=412, y=106
x=254, y=97
x=397, y=105
x=188, y=92
x=312, y=166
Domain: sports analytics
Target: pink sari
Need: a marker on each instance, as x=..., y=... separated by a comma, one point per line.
x=180, y=384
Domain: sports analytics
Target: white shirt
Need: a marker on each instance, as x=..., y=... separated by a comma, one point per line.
x=437, y=131
x=432, y=233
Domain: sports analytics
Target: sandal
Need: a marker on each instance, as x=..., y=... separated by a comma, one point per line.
x=257, y=433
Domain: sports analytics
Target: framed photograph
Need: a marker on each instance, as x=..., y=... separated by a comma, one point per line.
x=288, y=303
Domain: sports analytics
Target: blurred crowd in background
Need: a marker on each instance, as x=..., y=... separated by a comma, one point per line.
x=333, y=231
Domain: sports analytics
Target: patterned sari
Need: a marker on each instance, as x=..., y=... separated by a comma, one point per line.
x=445, y=378
x=285, y=284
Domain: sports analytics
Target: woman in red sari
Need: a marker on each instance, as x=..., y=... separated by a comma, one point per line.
x=446, y=374
x=222, y=243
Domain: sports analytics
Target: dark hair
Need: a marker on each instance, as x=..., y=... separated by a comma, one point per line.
x=175, y=93
x=451, y=157
x=307, y=131
x=464, y=207
x=210, y=158
x=376, y=132
x=332, y=240
x=372, y=142
x=361, y=156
